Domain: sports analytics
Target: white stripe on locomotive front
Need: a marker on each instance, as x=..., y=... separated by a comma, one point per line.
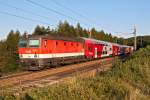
x=51, y=55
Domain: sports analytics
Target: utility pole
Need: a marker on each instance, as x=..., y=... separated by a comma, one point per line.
x=135, y=41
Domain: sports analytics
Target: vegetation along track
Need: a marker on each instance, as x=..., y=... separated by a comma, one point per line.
x=53, y=74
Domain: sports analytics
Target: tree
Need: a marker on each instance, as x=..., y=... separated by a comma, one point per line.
x=94, y=33
x=79, y=30
x=12, y=41
x=64, y=29
x=10, y=56
x=40, y=30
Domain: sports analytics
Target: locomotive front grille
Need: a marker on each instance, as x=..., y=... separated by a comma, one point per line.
x=32, y=64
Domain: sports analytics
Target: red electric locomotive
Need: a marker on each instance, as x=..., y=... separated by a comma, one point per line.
x=38, y=52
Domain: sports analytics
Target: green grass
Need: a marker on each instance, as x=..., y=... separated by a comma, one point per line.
x=129, y=80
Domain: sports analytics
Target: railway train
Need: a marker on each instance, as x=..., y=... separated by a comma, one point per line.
x=38, y=52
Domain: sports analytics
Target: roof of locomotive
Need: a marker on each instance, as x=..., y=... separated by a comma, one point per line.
x=55, y=37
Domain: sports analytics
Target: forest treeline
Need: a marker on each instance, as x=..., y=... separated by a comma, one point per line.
x=9, y=46
x=67, y=30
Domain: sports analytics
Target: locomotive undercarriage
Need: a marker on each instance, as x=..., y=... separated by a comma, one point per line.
x=38, y=64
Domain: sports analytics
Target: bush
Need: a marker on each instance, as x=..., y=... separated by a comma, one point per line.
x=129, y=80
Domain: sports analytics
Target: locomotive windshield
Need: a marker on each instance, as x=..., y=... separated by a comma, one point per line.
x=34, y=43
x=22, y=43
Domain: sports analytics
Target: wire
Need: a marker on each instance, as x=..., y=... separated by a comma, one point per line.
x=69, y=9
x=25, y=18
x=23, y=10
x=55, y=11
x=52, y=10
x=73, y=11
x=77, y=13
x=49, y=9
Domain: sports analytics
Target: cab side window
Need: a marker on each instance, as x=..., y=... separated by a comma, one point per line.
x=56, y=43
x=45, y=43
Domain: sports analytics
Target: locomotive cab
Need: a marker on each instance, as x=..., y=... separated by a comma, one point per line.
x=29, y=50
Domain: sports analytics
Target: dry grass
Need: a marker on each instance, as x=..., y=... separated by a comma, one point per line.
x=128, y=80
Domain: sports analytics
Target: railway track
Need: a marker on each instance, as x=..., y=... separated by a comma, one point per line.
x=15, y=75
x=54, y=75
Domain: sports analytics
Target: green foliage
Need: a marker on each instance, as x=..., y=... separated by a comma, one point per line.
x=129, y=80
x=9, y=52
x=135, y=71
x=142, y=41
x=67, y=30
x=41, y=30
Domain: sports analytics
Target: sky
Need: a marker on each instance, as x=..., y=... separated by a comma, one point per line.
x=113, y=16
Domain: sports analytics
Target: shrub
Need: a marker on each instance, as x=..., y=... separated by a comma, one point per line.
x=129, y=80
